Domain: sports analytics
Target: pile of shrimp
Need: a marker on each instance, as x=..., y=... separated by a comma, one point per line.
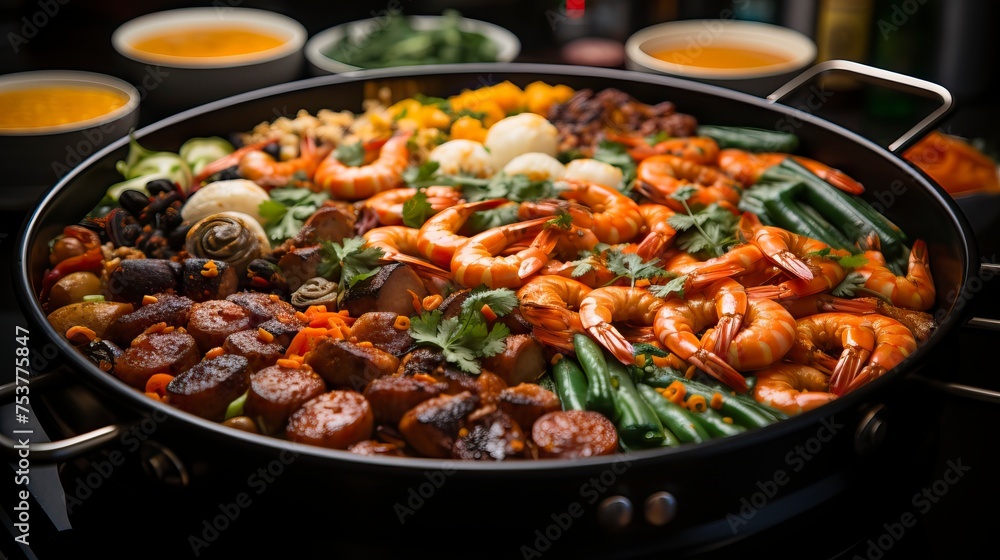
x=761, y=309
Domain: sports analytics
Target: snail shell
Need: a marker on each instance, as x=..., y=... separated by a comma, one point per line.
x=231, y=237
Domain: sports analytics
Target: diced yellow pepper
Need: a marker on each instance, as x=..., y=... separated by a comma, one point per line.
x=468, y=128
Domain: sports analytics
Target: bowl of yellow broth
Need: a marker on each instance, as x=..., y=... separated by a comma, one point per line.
x=746, y=56
x=53, y=120
x=190, y=56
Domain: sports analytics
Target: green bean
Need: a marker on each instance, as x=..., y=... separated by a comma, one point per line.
x=600, y=392
x=637, y=423
x=570, y=384
x=674, y=417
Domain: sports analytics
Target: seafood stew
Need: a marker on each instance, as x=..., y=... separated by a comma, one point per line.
x=525, y=259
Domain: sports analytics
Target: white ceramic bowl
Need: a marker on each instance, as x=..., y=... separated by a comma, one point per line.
x=508, y=45
x=39, y=156
x=179, y=82
x=694, y=35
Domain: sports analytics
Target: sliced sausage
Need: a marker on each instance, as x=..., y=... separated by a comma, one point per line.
x=522, y=360
x=209, y=386
x=421, y=360
x=260, y=353
x=347, y=365
x=492, y=436
x=276, y=392
x=283, y=333
x=264, y=307
x=207, y=279
x=300, y=264
x=569, y=434
x=134, y=279
x=336, y=419
x=334, y=221
x=174, y=353
x=95, y=315
x=171, y=309
x=379, y=328
x=211, y=322
x=387, y=290
x=391, y=396
x=490, y=386
x=431, y=427
x=527, y=402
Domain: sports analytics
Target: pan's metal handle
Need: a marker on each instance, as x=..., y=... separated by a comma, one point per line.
x=887, y=78
x=52, y=452
x=986, y=269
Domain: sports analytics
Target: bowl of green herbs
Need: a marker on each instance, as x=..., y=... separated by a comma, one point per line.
x=394, y=40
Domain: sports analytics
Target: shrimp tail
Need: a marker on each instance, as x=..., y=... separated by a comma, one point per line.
x=653, y=245
x=848, y=369
x=715, y=366
x=419, y=263
x=835, y=177
x=608, y=337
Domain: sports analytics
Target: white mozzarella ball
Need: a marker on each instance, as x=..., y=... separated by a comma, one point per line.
x=521, y=134
x=461, y=156
x=536, y=165
x=594, y=171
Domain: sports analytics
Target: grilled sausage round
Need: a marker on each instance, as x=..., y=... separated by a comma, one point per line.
x=174, y=353
x=336, y=419
x=276, y=392
x=569, y=434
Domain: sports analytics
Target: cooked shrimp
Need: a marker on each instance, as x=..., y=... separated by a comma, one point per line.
x=914, y=291
x=386, y=207
x=604, y=306
x=658, y=177
x=398, y=243
x=700, y=274
x=767, y=335
x=678, y=320
x=871, y=345
x=611, y=215
x=261, y=168
x=825, y=303
x=355, y=183
x=550, y=304
x=476, y=261
x=747, y=168
x=591, y=270
x=696, y=149
x=792, y=388
x=661, y=233
x=920, y=323
x=438, y=238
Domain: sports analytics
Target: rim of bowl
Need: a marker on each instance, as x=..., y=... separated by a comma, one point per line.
x=798, y=46
x=43, y=78
x=293, y=33
x=508, y=44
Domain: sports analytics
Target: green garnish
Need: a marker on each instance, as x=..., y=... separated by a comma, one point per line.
x=467, y=337
x=711, y=231
x=416, y=210
x=616, y=154
x=349, y=261
x=352, y=155
x=286, y=211
x=631, y=266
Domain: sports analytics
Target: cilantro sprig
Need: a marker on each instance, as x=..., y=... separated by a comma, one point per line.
x=349, y=261
x=287, y=209
x=352, y=155
x=467, y=337
x=711, y=231
x=631, y=266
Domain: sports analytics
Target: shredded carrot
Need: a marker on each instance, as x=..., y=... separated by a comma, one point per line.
x=287, y=363
x=305, y=340
x=675, y=392
x=424, y=377
x=487, y=312
x=689, y=374
x=274, y=297
x=463, y=432
x=432, y=302
x=215, y=352
x=727, y=419
x=696, y=403
x=555, y=358
x=80, y=334
x=366, y=344
x=418, y=305
x=157, y=384
x=155, y=397
x=401, y=323
x=716, y=402
x=264, y=336
x=661, y=361
x=210, y=269
x=154, y=328
x=168, y=329
x=640, y=360
x=146, y=300
x=301, y=316
x=517, y=445
x=642, y=283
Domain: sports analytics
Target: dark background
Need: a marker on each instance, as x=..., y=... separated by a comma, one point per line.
x=954, y=43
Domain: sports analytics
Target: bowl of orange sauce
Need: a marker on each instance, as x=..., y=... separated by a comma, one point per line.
x=746, y=56
x=53, y=120
x=186, y=57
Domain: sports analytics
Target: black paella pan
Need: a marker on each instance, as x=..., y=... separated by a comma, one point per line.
x=672, y=499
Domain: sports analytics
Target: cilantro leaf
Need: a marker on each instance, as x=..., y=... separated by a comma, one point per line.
x=422, y=175
x=352, y=155
x=287, y=209
x=416, y=210
x=631, y=266
x=516, y=188
x=675, y=286
x=494, y=343
x=501, y=300
x=660, y=136
x=853, y=261
x=350, y=261
x=711, y=231
x=494, y=217
x=616, y=154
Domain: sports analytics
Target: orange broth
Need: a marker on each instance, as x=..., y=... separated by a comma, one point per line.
x=37, y=107
x=204, y=42
x=720, y=56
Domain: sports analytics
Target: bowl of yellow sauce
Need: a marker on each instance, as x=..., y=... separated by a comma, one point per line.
x=186, y=57
x=53, y=120
x=743, y=55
